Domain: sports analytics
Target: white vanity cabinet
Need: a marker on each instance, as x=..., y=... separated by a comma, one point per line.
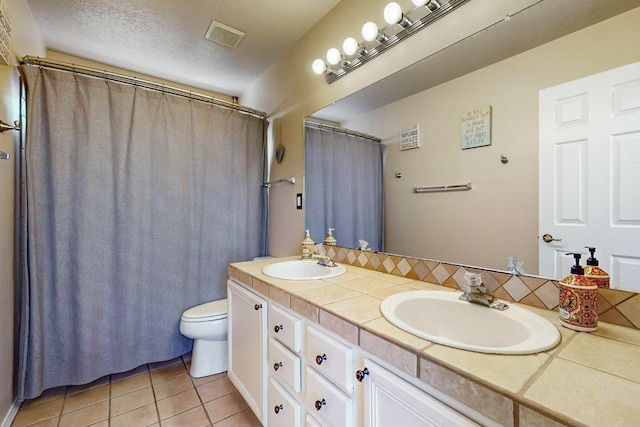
x=247, y=346
x=293, y=372
x=389, y=401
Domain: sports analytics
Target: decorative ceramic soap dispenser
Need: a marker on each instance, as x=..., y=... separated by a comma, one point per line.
x=307, y=246
x=330, y=240
x=578, y=300
x=594, y=273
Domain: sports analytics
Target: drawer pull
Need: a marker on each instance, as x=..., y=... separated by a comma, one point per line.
x=278, y=328
x=277, y=366
x=257, y=306
x=277, y=409
x=361, y=374
x=320, y=359
x=320, y=404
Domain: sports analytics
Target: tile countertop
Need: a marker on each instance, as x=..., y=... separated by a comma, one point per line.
x=590, y=379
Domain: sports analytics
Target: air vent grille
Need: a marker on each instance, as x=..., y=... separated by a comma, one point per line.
x=224, y=34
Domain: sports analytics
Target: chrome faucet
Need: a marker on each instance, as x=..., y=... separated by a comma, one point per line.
x=475, y=292
x=322, y=257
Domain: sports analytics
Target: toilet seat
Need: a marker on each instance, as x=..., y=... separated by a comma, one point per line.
x=214, y=310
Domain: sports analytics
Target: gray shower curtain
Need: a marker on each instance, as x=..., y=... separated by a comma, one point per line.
x=343, y=188
x=136, y=201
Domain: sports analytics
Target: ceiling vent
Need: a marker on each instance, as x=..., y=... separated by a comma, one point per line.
x=224, y=34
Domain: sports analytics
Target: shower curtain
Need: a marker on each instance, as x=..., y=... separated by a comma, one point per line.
x=343, y=187
x=136, y=201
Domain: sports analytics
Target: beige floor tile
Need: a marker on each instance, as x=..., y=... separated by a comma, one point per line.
x=38, y=413
x=172, y=386
x=204, y=380
x=51, y=422
x=165, y=373
x=86, y=398
x=178, y=403
x=132, y=373
x=164, y=364
x=72, y=389
x=130, y=383
x=196, y=417
x=215, y=389
x=86, y=416
x=104, y=423
x=140, y=417
x=225, y=406
x=45, y=397
x=245, y=418
x=131, y=401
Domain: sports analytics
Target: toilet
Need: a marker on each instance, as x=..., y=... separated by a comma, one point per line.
x=206, y=324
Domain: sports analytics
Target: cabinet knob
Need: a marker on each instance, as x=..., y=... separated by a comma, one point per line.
x=320, y=404
x=361, y=374
x=257, y=306
x=278, y=328
x=277, y=366
x=277, y=409
x=320, y=359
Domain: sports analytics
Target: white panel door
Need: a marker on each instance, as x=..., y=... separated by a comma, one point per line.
x=589, y=167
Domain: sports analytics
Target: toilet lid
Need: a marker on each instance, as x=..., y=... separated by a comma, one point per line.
x=214, y=309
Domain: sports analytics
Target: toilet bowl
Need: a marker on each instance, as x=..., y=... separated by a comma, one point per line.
x=206, y=324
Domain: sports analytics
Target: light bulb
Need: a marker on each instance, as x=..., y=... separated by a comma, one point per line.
x=393, y=13
x=419, y=3
x=370, y=31
x=350, y=46
x=334, y=56
x=318, y=66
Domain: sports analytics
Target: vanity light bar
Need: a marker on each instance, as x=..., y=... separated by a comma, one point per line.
x=345, y=66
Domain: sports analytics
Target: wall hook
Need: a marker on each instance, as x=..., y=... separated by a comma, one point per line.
x=4, y=126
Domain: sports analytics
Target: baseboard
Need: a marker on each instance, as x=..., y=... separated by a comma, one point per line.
x=13, y=410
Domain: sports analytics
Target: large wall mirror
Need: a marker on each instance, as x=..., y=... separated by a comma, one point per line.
x=504, y=68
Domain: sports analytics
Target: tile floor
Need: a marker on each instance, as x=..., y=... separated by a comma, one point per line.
x=158, y=394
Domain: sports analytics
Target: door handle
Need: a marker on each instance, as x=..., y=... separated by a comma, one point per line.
x=549, y=238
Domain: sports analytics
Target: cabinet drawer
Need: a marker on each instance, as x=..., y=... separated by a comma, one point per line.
x=331, y=357
x=284, y=410
x=330, y=403
x=285, y=328
x=311, y=422
x=284, y=365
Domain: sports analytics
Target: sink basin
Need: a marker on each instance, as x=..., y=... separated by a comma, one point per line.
x=440, y=317
x=302, y=270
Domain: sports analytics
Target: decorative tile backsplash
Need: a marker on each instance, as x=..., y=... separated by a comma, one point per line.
x=614, y=306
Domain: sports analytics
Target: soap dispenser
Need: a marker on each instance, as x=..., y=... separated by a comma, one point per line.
x=330, y=240
x=578, y=304
x=307, y=246
x=595, y=274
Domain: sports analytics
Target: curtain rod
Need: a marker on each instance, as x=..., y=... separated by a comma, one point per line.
x=324, y=126
x=134, y=81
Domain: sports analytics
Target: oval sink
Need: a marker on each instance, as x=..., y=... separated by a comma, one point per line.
x=439, y=316
x=302, y=270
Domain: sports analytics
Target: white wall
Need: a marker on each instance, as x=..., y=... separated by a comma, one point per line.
x=25, y=39
x=499, y=217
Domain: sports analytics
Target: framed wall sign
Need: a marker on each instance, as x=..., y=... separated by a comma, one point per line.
x=410, y=137
x=475, y=128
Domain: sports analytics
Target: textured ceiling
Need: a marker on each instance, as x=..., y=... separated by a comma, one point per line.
x=165, y=38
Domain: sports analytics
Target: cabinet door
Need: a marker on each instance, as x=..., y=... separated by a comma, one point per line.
x=331, y=357
x=391, y=401
x=284, y=410
x=247, y=346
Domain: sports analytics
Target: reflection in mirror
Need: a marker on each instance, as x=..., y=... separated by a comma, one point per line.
x=343, y=186
x=505, y=67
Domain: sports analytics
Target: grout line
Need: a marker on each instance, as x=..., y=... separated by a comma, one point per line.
x=153, y=390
